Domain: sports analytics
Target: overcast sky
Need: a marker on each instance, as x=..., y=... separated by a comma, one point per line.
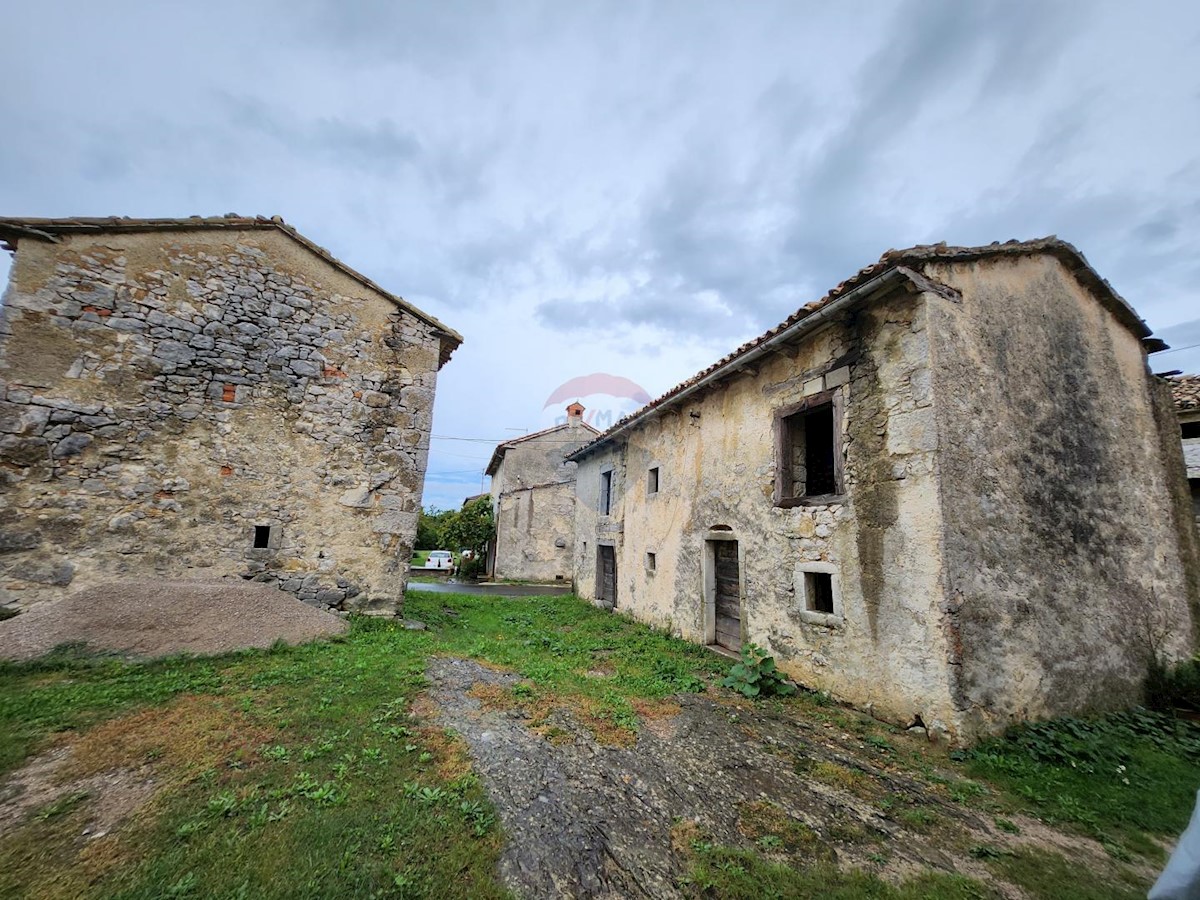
x=620, y=187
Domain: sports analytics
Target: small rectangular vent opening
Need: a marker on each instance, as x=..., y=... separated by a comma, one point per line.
x=262, y=537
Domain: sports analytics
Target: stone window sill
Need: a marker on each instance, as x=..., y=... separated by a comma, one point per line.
x=820, y=500
x=825, y=620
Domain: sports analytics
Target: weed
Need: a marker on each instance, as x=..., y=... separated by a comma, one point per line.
x=1111, y=776
x=62, y=805
x=756, y=675
x=1007, y=826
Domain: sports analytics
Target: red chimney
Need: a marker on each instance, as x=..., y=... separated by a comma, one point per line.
x=575, y=413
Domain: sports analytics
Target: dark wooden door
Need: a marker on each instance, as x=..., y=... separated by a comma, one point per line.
x=728, y=594
x=608, y=576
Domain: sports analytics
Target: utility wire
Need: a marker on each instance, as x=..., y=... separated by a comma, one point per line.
x=1177, y=349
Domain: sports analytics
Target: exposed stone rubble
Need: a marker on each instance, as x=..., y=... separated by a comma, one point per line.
x=152, y=415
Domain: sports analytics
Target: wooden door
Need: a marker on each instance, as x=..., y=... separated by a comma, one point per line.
x=727, y=586
x=608, y=576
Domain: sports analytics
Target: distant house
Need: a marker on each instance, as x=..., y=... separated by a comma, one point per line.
x=208, y=397
x=533, y=496
x=928, y=492
x=1185, y=389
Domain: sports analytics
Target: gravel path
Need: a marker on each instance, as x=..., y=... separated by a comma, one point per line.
x=143, y=617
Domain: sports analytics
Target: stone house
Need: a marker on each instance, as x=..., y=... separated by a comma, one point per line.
x=924, y=493
x=1186, y=391
x=208, y=397
x=533, y=498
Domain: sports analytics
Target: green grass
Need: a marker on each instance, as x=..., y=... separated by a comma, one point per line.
x=1115, y=778
x=1049, y=876
x=304, y=760
x=300, y=772
x=741, y=875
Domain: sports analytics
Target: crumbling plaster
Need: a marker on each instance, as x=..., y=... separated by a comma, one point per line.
x=1014, y=539
x=717, y=468
x=1053, y=452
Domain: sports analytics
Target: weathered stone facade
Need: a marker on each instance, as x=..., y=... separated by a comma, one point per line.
x=979, y=558
x=208, y=397
x=533, y=497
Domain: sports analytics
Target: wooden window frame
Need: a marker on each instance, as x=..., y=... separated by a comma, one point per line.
x=605, y=502
x=783, y=450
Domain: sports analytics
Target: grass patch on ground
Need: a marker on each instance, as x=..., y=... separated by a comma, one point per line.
x=305, y=760
x=1049, y=876
x=1115, y=778
x=313, y=771
x=742, y=875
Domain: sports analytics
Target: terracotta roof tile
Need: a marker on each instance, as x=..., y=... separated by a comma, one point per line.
x=899, y=259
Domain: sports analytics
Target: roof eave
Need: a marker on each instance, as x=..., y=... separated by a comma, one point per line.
x=884, y=282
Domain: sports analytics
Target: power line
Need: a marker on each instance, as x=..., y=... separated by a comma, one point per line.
x=1177, y=349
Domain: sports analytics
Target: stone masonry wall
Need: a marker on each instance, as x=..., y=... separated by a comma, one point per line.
x=164, y=394
x=533, y=496
x=1066, y=561
x=886, y=651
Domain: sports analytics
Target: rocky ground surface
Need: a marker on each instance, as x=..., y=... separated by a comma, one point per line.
x=145, y=617
x=588, y=820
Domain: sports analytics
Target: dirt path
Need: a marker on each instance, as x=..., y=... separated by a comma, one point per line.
x=587, y=820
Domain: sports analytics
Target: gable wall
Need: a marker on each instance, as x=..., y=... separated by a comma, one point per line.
x=1065, y=521
x=163, y=393
x=533, y=497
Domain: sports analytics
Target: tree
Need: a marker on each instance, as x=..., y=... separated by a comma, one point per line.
x=471, y=528
x=431, y=527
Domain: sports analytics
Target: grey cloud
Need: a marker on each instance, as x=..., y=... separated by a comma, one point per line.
x=380, y=147
x=775, y=232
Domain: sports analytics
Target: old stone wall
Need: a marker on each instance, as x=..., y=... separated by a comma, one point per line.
x=887, y=649
x=533, y=497
x=166, y=397
x=1064, y=546
x=535, y=533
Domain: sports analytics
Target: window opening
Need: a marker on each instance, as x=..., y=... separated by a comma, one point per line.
x=651, y=562
x=262, y=537
x=605, y=493
x=818, y=591
x=809, y=449
x=652, y=481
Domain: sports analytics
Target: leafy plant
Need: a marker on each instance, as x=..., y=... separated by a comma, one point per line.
x=756, y=675
x=1176, y=687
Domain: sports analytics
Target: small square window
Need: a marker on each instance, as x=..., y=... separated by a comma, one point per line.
x=651, y=562
x=818, y=592
x=262, y=537
x=652, y=481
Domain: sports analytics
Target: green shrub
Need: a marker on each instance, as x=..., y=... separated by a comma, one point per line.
x=756, y=675
x=471, y=568
x=7, y=612
x=1176, y=687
